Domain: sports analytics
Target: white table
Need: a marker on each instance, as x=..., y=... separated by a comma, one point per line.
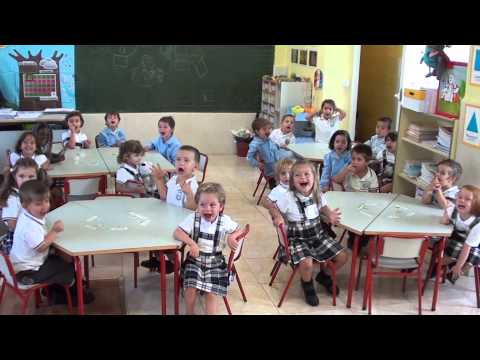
x=109, y=156
x=314, y=152
x=114, y=225
x=79, y=162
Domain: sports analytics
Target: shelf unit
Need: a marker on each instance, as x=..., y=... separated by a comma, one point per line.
x=409, y=149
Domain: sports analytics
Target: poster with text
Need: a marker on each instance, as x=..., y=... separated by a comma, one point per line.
x=471, y=136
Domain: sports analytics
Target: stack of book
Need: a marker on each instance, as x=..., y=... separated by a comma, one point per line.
x=444, y=139
x=421, y=133
x=412, y=168
x=427, y=173
x=7, y=114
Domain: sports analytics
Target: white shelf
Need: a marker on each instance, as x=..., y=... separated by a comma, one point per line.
x=425, y=147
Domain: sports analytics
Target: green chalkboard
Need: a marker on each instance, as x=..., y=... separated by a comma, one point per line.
x=171, y=78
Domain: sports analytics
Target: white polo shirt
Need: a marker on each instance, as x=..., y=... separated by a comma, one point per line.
x=40, y=159
x=324, y=128
x=278, y=192
x=473, y=238
x=123, y=175
x=279, y=138
x=29, y=234
x=287, y=205
x=13, y=208
x=175, y=195
x=80, y=138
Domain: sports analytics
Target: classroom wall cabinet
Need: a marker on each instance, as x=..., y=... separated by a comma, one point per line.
x=410, y=149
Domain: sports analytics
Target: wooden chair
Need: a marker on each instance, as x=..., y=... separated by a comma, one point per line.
x=395, y=253
x=203, y=166
x=288, y=261
x=24, y=292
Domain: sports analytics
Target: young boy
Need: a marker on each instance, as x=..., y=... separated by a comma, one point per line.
x=166, y=144
x=358, y=176
x=377, y=141
x=262, y=151
x=386, y=161
x=284, y=135
x=31, y=243
x=112, y=135
x=442, y=192
x=179, y=190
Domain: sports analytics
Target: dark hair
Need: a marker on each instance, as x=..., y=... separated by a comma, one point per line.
x=330, y=102
x=192, y=149
x=212, y=188
x=386, y=120
x=345, y=133
x=287, y=116
x=72, y=114
x=455, y=166
x=111, y=114
x=476, y=198
x=42, y=126
x=18, y=145
x=129, y=147
x=168, y=120
x=392, y=135
x=363, y=149
x=33, y=190
x=9, y=181
x=260, y=123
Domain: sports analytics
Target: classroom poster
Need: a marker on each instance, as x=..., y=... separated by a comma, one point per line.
x=475, y=76
x=52, y=79
x=471, y=135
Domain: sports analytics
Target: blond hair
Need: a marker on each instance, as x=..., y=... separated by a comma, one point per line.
x=212, y=188
x=282, y=164
x=475, y=211
x=315, y=192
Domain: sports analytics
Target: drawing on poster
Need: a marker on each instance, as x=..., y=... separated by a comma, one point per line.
x=471, y=135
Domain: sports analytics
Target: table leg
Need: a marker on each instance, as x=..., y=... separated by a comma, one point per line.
x=79, y=279
x=176, y=283
x=351, y=281
x=86, y=271
x=437, y=276
x=163, y=283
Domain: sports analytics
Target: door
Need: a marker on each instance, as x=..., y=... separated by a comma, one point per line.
x=378, y=87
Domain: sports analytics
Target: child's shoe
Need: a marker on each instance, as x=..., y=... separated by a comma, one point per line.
x=324, y=279
x=310, y=293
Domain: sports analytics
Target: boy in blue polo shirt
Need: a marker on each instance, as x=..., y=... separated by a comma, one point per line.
x=166, y=144
x=112, y=135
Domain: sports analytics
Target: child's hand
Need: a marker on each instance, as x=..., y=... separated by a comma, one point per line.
x=351, y=168
x=232, y=243
x=277, y=221
x=194, y=250
x=335, y=216
x=456, y=271
x=88, y=143
x=157, y=172
x=287, y=142
x=186, y=188
x=58, y=226
x=436, y=184
x=72, y=128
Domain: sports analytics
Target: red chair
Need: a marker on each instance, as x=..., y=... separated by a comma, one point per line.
x=476, y=270
x=24, y=292
x=278, y=264
x=395, y=254
x=102, y=184
x=259, y=181
x=203, y=166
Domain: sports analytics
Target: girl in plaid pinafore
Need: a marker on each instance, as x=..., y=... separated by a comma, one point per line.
x=308, y=238
x=463, y=247
x=205, y=232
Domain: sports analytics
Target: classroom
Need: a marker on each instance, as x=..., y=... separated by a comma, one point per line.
x=239, y=180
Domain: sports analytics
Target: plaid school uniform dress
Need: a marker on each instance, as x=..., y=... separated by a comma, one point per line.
x=309, y=238
x=457, y=240
x=208, y=272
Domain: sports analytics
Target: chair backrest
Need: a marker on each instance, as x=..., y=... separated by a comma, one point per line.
x=6, y=270
x=203, y=166
x=235, y=255
x=102, y=184
x=97, y=141
x=8, y=152
x=284, y=237
x=402, y=247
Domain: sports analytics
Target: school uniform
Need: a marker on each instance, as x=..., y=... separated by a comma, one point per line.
x=175, y=195
x=80, y=139
x=269, y=153
x=279, y=138
x=450, y=194
x=109, y=137
x=333, y=163
x=126, y=173
x=40, y=159
x=324, y=128
x=167, y=148
x=368, y=183
x=464, y=232
x=377, y=144
x=208, y=272
x=278, y=192
x=387, y=165
x=306, y=233
x=10, y=212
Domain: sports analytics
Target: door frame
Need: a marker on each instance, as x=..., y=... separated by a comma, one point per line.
x=357, y=52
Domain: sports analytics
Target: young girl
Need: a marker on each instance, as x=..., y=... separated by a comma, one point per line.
x=112, y=135
x=326, y=121
x=128, y=177
x=282, y=175
x=205, y=233
x=337, y=159
x=26, y=147
x=74, y=138
x=301, y=206
x=44, y=135
x=358, y=176
x=386, y=162
x=24, y=170
x=442, y=191
x=284, y=135
x=462, y=251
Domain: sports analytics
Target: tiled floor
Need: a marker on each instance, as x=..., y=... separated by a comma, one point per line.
x=239, y=181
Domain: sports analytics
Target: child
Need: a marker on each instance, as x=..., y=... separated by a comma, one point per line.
x=301, y=206
x=24, y=170
x=377, y=141
x=337, y=159
x=282, y=175
x=442, y=192
x=358, y=176
x=73, y=138
x=112, y=135
x=262, y=151
x=44, y=135
x=284, y=135
x=462, y=251
x=26, y=147
x=386, y=161
x=205, y=232
x=326, y=121
x=166, y=144
x=128, y=178
x=31, y=243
